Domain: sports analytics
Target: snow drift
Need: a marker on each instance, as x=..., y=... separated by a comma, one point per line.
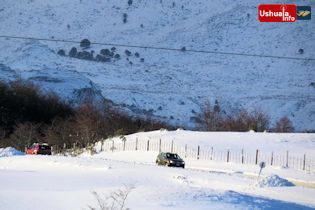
x=10, y=151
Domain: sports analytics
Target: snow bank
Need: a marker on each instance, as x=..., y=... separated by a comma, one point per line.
x=274, y=181
x=10, y=151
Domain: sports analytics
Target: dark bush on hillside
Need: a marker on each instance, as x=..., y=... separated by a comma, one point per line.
x=117, y=56
x=127, y=52
x=101, y=58
x=85, y=43
x=137, y=54
x=113, y=49
x=129, y=2
x=125, y=18
x=85, y=55
x=142, y=60
x=105, y=52
x=73, y=52
x=61, y=52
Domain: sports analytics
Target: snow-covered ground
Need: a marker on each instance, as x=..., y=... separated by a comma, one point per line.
x=59, y=182
x=295, y=143
x=37, y=182
x=169, y=85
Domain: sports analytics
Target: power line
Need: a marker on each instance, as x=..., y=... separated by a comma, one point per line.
x=162, y=48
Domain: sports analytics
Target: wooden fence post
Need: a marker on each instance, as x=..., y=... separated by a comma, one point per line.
x=256, y=161
x=136, y=144
x=304, y=162
x=287, y=162
x=211, y=153
x=148, y=145
x=271, y=161
x=113, y=146
x=242, y=156
x=228, y=156
x=172, y=146
x=185, y=150
x=198, y=152
x=160, y=145
x=124, y=145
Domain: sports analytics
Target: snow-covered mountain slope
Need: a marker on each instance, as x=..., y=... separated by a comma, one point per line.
x=170, y=85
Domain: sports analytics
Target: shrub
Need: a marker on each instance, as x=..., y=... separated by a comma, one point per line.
x=137, y=54
x=73, y=52
x=117, y=56
x=61, y=52
x=284, y=125
x=142, y=60
x=183, y=49
x=85, y=55
x=85, y=43
x=105, y=52
x=127, y=52
x=129, y=2
x=113, y=49
x=125, y=18
x=116, y=200
x=301, y=51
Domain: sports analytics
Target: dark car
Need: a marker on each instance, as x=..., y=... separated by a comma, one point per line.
x=170, y=159
x=39, y=149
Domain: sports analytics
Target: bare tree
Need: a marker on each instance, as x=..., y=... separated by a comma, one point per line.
x=284, y=125
x=59, y=132
x=3, y=134
x=260, y=120
x=242, y=120
x=210, y=119
x=24, y=135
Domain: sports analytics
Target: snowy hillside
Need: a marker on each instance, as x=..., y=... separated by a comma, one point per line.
x=170, y=85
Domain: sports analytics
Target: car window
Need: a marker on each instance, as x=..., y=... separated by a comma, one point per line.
x=44, y=147
x=173, y=156
x=33, y=147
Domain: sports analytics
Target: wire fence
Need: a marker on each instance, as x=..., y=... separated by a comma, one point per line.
x=281, y=159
